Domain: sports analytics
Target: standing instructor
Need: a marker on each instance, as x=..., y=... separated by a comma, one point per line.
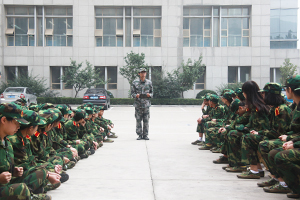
x=142, y=91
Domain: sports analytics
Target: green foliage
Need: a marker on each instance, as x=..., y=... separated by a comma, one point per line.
x=204, y=92
x=188, y=73
x=165, y=85
x=287, y=69
x=232, y=86
x=134, y=61
x=110, y=94
x=79, y=78
x=35, y=84
x=59, y=100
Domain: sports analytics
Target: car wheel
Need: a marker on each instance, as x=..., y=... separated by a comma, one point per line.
x=105, y=107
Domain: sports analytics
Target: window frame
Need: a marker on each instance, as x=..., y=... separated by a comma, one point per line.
x=107, y=84
x=62, y=85
x=204, y=81
x=238, y=74
x=17, y=71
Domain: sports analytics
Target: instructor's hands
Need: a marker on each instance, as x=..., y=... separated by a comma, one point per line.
x=137, y=96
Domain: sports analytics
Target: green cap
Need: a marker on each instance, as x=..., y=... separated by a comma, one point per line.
x=34, y=108
x=33, y=118
x=64, y=109
x=227, y=95
x=214, y=98
x=293, y=80
x=89, y=104
x=89, y=110
x=206, y=96
x=101, y=107
x=59, y=115
x=240, y=94
x=23, y=100
x=142, y=70
x=79, y=114
x=46, y=106
x=227, y=90
x=274, y=88
x=17, y=102
x=234, y=106
x=13, y=111
x=48, y=115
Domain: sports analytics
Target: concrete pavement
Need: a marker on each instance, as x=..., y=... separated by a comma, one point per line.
x=165, y=167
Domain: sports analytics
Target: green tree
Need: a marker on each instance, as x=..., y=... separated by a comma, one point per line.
x=232, y=86
x=79, y=78
x=165, y=85
x=134, y=61
x=188, y=73
x=35, y=84
x=287, y=69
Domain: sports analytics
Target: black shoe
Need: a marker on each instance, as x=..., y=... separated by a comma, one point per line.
x=64, y=177
x=146, y=137
x=92, y=151
x=140, y=137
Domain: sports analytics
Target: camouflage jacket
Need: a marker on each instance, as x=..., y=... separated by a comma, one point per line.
x=280, y=120
x=72, y=130
x=23, y=156
x=6, y=156
x=141, y=88
x=61, y=136
x=215, y=113
x=239, y=122
x=294, y=128
x=257, y=121
x=207, y=110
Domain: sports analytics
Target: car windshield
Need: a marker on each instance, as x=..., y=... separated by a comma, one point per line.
x=19, y=90
x=95, y=91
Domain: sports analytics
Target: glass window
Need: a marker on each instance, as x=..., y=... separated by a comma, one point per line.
x=55, y=78
x=112, y=77
x=200, y=83
x=275, y=75
x=101, y=71
x=283, y=28
x=15, y=71
x=239, y=74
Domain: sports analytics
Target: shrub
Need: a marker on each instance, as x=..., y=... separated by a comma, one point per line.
x=110, y=94
x=204, y=92
x=232, y=86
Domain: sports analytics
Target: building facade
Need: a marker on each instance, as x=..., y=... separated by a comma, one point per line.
x=239, y=40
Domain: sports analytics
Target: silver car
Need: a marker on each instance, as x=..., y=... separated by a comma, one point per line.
x=11, y=94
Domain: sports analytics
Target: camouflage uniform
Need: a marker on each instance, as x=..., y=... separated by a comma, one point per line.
x=142, y=104
x=200, y=127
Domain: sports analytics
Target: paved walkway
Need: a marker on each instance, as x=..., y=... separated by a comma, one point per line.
x=165, y=167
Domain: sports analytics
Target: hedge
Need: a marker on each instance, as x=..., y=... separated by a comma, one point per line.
x=120, y=101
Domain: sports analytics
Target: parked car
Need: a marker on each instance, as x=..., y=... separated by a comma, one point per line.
x=285, y=97
x=11, y=94
x=98, y=96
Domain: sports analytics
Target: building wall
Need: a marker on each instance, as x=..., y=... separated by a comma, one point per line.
x=170, y=55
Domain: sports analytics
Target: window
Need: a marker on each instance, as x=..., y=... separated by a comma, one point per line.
x=20, y=26
x=275, y=75
x=200, y=83
x=138, y=26
x=283, y=28
x=239, y=74
x=39, y=26
x=56, y=82
x=109, y=74
x=15, y=71
x=216, y=26
x=154, y=73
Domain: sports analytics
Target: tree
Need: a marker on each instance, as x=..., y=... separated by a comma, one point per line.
x=165, y=85
x=79, y=78
x=188, y=73
x=287, y=69
x=35, y=84
x=232, y=86
x=134, y=62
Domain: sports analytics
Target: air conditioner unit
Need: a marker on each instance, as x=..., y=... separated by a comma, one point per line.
x=69, y=32
x=9, y=31
x=30, y=32
x=157, y=32
x=136, y=33
x=186, y=32
x=49, y=32
x=119, y=32
x=99, y=32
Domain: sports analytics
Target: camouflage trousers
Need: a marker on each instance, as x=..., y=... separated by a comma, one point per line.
x=287, y=163
x=15, y=191
x=200, y=128
x=213, y=136
x=250, y=144
x=34, y=178
x=264, y=148
x=224, y=144
x=80, y=148
x=234, y=147
x=65, y=152
x=142, y=114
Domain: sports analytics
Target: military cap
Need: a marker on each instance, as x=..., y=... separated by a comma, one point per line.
x=33, y=118
x=46, y=106
x=206, y=96
x=274, y=88
x=227, y=95
x=227, y=90
x=89, y=110
x=239, y=93
x=142, y=70
x=293, y=80
x=234, y=106
x=101, y=107
x=23, y=100
x=17, y=102
x=59, y=114
x=214, y=98
x=96, y=109
x=89, y=104
x=34, y=108
x=64, y=109
x=12, y=111
x=80, y=114
x=48, y=115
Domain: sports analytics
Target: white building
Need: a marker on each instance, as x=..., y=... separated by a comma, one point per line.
x=239, y=39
